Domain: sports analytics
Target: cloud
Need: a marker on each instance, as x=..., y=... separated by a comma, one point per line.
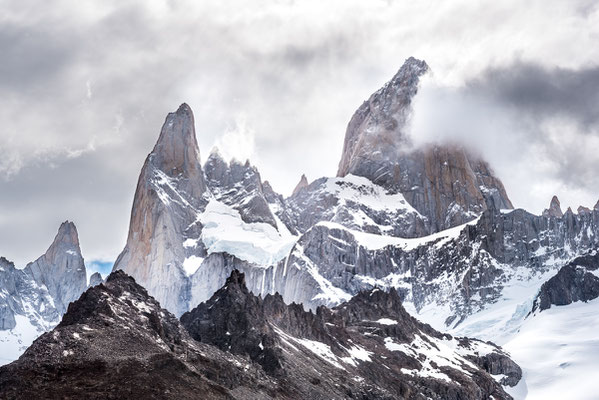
x=86, y=87
x=538, y=127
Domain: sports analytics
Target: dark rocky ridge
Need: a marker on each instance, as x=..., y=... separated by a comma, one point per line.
x=116, y=342
x=573, y=282
x=271, y=333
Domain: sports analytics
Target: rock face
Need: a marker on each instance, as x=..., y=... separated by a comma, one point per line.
x=445, y=184
x=371, y=337
x=576, y=281
x=171, y=190
x=33, y=299
x=458, y=272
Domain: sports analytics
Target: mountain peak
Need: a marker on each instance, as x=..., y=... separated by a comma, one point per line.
x=176, y=151
x=300, y=185
x=554, y=210
x=67, y=234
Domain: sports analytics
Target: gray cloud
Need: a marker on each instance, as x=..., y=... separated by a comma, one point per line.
x=537, y=125
x=86, y=86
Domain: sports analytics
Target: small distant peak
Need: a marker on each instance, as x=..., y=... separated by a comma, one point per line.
x=554, y=210
x=215, y=155
x=569, y=211
x=583, y=210
x=410, y=71
x=95, y=279
x=596, y=207
x=303, y=183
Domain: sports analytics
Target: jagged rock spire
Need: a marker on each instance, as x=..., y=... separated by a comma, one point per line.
x=170, y=193
x=444, y=183
x=62, y=268
x=554, y=210
x=301, y=184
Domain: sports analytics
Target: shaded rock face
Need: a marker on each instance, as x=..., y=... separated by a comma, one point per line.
x=61, y=269
x=576, y=281
x=370, y=337
x=445, y=184
x=240, y=186
x=171, y=190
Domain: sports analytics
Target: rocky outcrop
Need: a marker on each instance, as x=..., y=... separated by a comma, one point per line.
x=576, y=281
x=444, y=183
x=62, y=268
x=554, y=210
x=370, y=337
x=170, y=193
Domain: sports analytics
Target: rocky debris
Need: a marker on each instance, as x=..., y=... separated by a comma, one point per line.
x=444, y=183
x=95, y=279
x=554, y=210
x=576, y=281
x=170, y=193
x=240, y=186
x=372, y=338
x=303, y=183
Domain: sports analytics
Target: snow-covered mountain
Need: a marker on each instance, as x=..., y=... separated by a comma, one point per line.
x=432, y=225
x=33, y=299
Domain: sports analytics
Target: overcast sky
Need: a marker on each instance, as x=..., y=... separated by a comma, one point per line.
x=85, y=87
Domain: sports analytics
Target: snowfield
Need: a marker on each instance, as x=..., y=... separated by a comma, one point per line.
x=558, y=350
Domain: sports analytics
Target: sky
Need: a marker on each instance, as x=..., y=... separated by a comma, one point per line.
x=85, y=88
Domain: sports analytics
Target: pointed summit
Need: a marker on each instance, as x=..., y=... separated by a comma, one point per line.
x=176, y=152
x=554, y=210
x=62, y=268
x=301, y=185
